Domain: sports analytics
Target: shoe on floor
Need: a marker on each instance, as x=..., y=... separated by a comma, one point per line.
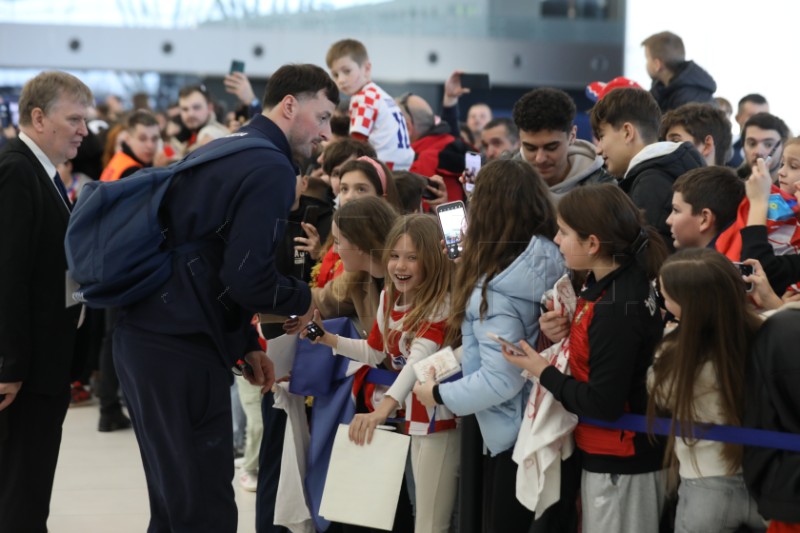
x=249, y=481
x=113, y=422
x=79, y=394
x=238, y=462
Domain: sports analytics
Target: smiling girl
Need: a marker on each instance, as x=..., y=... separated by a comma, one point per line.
x=411, y=325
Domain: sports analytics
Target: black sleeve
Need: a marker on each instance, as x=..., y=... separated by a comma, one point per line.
x=781, y=270
x=450, y=115
x=615, y=343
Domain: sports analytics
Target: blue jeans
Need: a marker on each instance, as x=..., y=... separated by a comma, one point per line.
x=715, y=504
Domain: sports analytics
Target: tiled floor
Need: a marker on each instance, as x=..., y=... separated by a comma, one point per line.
x=100, y=484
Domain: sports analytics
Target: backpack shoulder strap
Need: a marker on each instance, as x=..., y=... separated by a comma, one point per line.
x=234, y=145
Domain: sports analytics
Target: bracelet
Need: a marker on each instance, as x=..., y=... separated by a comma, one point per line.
x=436, y=396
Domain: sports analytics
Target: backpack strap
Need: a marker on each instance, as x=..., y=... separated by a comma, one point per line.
x=232, y=146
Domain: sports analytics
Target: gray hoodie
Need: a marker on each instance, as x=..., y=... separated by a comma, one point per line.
x=585, y=167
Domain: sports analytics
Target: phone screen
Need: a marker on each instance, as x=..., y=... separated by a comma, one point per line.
x=472, y=165
x=237, y=66
x=453, y=218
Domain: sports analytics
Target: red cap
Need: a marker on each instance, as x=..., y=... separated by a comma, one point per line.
x=596, y=90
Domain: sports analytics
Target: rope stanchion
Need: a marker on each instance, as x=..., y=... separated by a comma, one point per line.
x=661, y=426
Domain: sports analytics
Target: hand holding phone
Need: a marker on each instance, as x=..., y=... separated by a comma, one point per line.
x=745, y=270
x=453, y=219
x=508, y=345
x=314, y=331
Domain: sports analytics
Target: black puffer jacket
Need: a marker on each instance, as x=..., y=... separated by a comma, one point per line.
x=650, y=177
x=690, y=84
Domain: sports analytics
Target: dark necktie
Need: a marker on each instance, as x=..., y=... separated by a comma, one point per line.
x=62, y=190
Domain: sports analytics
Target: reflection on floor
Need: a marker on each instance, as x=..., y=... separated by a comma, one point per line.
x=100, y=484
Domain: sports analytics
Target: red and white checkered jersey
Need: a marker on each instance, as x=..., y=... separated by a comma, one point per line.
x=375, y=115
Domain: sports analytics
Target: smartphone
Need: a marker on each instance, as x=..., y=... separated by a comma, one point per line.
x=453, y=218
x=746, y=270
x=476, y=82
x=313, y=331
x=427, y=194
x=311, y=216
x=472, y=165
x=511, y=347
x=237, y=66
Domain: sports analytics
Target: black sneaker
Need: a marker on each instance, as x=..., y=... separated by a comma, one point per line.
x=113, y=422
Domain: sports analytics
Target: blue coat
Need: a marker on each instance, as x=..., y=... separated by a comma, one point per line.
x=492, y=388
x=235, y=203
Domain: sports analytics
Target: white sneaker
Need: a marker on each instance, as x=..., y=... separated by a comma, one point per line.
x=249, y=481
x=238, y=462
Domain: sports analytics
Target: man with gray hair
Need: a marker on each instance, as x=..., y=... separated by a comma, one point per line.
x=37, y=329
x=436, y=150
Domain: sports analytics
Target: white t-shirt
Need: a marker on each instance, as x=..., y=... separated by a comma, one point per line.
x=374, y=114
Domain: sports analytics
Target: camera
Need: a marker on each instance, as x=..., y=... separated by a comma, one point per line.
x=314, y=331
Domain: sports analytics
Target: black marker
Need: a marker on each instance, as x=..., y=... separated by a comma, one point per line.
x=768, y=159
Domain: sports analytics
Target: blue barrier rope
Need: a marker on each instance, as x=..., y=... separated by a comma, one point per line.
x=661, y=426
x=732, y=434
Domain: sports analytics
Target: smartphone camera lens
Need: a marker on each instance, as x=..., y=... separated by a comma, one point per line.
x=313, y=331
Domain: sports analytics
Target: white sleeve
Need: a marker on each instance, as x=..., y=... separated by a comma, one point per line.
x=420, y=349
x=359, y=350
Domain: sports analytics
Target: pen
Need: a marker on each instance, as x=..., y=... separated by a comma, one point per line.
x=768, y=159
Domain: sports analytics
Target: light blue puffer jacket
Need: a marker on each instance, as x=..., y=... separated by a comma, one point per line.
x=492, y=388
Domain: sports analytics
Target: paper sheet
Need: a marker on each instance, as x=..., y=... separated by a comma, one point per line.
x=363, y=483
x=281, y=351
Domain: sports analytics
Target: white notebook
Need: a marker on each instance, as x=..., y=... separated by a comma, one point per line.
x=363, y=483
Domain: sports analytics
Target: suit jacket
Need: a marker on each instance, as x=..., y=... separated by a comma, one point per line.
x=37, y=330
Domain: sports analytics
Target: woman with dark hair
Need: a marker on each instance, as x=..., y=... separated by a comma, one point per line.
x=507, y=264
x=698, y=377
x=616, y=326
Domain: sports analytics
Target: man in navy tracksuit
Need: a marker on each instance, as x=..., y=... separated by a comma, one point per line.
x=175, y=349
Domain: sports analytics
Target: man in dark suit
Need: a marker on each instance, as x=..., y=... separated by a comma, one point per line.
x=174, y=350
x=37, y=329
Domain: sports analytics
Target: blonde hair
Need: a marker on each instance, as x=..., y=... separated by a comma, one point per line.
x=46, y=89
x=347, y=47
x=436, y=272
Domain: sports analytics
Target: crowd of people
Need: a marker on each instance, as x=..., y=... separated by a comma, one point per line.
x=653, y=272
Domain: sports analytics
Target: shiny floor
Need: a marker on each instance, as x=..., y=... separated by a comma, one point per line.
x=100, y=484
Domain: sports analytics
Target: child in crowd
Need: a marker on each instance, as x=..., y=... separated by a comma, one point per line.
x=789, y=171
x=616, y=326
x=704, y=202
x=625, y=123
x=507, y=264
x=411, y=325
x=698, y=377
x=374, y=115
x=362, y=177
